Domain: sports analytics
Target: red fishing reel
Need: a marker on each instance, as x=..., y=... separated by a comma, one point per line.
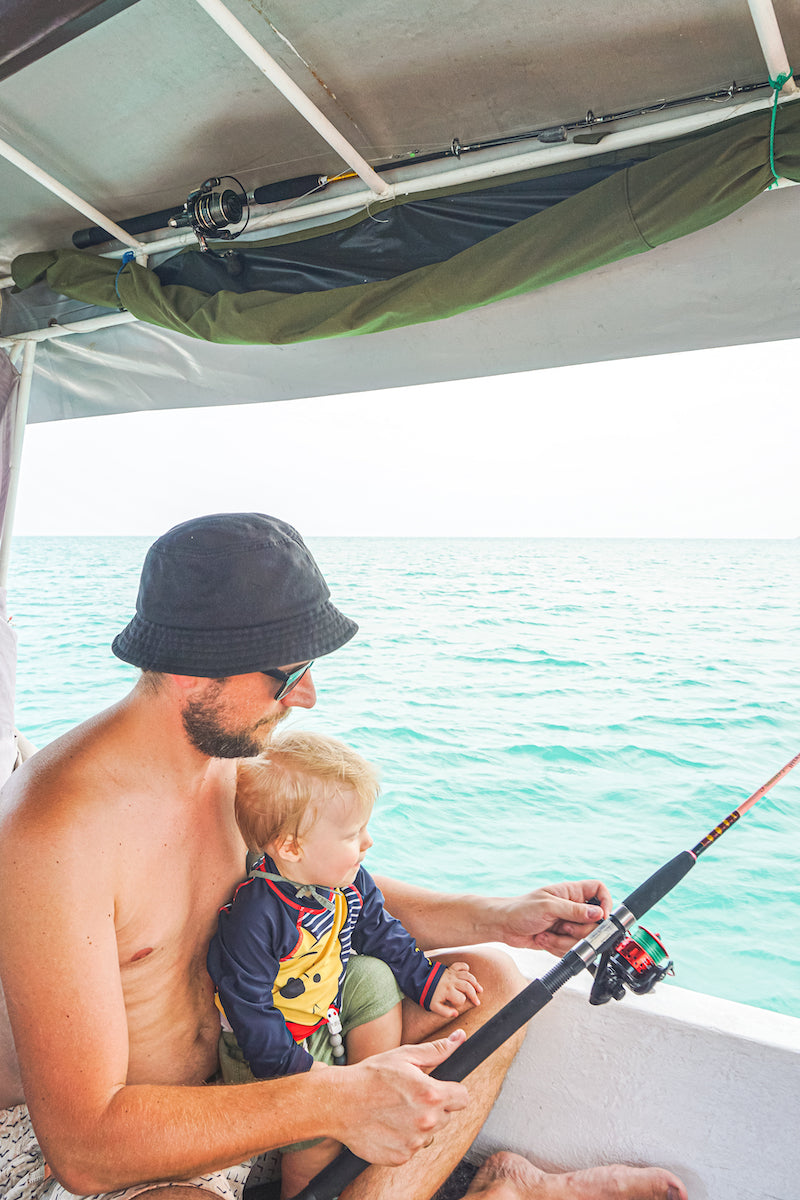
x=639, y=962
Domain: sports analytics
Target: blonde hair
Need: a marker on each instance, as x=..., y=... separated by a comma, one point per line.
x=282, y=792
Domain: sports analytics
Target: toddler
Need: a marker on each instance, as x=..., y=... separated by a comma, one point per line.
x=294, y=956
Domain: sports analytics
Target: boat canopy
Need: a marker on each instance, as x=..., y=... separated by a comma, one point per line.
x=423, y=261
x=479, y=191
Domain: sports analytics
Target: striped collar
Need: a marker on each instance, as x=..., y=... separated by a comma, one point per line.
x=322, y=895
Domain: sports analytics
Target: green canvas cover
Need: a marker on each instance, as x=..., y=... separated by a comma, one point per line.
x=686, y=188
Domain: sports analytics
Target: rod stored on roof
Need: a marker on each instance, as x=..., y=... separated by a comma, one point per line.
x=592, y=128
x=483, y=165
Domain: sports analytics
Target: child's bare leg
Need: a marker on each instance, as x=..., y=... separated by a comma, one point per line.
x=298, y=1167
x=373, y=1037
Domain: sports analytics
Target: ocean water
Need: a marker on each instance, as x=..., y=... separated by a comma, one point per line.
x=540, y=710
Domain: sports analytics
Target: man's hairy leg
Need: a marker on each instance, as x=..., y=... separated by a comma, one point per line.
x=423, y=1174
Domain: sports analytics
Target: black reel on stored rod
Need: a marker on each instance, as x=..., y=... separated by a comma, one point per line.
x=211, y=209
x=638, y=962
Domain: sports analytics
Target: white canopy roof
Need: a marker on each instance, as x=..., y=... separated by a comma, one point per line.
x=145, y=106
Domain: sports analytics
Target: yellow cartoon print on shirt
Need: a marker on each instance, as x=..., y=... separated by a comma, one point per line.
x=308, y=980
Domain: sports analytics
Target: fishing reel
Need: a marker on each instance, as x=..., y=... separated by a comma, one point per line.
x=212, y=209
x=638, y=962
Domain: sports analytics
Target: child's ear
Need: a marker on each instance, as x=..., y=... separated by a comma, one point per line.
x=287, y=847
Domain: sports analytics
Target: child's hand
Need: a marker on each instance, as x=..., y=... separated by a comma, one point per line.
x=455, y=991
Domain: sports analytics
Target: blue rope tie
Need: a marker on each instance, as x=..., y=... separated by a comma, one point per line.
x=776, y=85
x=127, y=257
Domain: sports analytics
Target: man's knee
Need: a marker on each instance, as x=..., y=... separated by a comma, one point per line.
x=497, y=974
x=501, y=980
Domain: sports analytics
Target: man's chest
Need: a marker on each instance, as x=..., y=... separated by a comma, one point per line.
x=171, y=895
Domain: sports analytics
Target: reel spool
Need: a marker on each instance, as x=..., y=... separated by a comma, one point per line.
x=639, y=962
x=211, y=209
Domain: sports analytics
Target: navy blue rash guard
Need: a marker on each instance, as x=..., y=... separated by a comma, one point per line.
x=278, y=960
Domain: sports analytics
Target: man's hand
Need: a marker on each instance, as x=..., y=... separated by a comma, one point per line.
x=393, y=1109
x=552, y=918
x=457, y=988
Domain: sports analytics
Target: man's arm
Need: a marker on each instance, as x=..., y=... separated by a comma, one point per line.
x=58, y=961
x=550, y=918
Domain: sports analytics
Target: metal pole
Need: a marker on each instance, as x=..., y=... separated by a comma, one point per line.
x=295, y=95
x=57, y=331
x=769, y=35
x=75, y=201
x=18, y=437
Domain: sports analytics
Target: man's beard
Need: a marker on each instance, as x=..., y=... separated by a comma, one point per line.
x=203, y=727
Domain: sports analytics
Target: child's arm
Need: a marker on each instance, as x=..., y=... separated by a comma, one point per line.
x=378, y=933
x=456, y=989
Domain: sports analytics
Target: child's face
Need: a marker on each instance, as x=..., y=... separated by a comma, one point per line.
x=332, y=850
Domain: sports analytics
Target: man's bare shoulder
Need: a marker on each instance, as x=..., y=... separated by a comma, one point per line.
x=65, y=754
x=87, y=767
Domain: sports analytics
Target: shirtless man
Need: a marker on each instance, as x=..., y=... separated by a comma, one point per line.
x=118, y=845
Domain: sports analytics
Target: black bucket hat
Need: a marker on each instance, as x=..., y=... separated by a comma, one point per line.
x=229, y=594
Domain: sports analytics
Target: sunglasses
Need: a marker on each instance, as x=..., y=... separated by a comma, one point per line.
x=288, y=679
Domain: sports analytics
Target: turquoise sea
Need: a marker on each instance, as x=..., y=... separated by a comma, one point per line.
x=540, y=709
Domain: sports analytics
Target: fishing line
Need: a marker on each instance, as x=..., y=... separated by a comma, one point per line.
x=604, y=938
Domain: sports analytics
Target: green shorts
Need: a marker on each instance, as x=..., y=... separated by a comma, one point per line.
x=369, y=991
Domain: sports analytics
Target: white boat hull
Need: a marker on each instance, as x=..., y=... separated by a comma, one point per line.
x=705, y=1087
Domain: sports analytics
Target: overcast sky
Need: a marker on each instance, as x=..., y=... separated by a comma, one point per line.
x=701, y=444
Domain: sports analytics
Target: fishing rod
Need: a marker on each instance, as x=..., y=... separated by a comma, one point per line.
x=607, y=936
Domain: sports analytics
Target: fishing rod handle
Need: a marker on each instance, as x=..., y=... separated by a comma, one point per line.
x=498, y=1029
x=347, y=1166
x=659, y=884
x=334, y=1178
